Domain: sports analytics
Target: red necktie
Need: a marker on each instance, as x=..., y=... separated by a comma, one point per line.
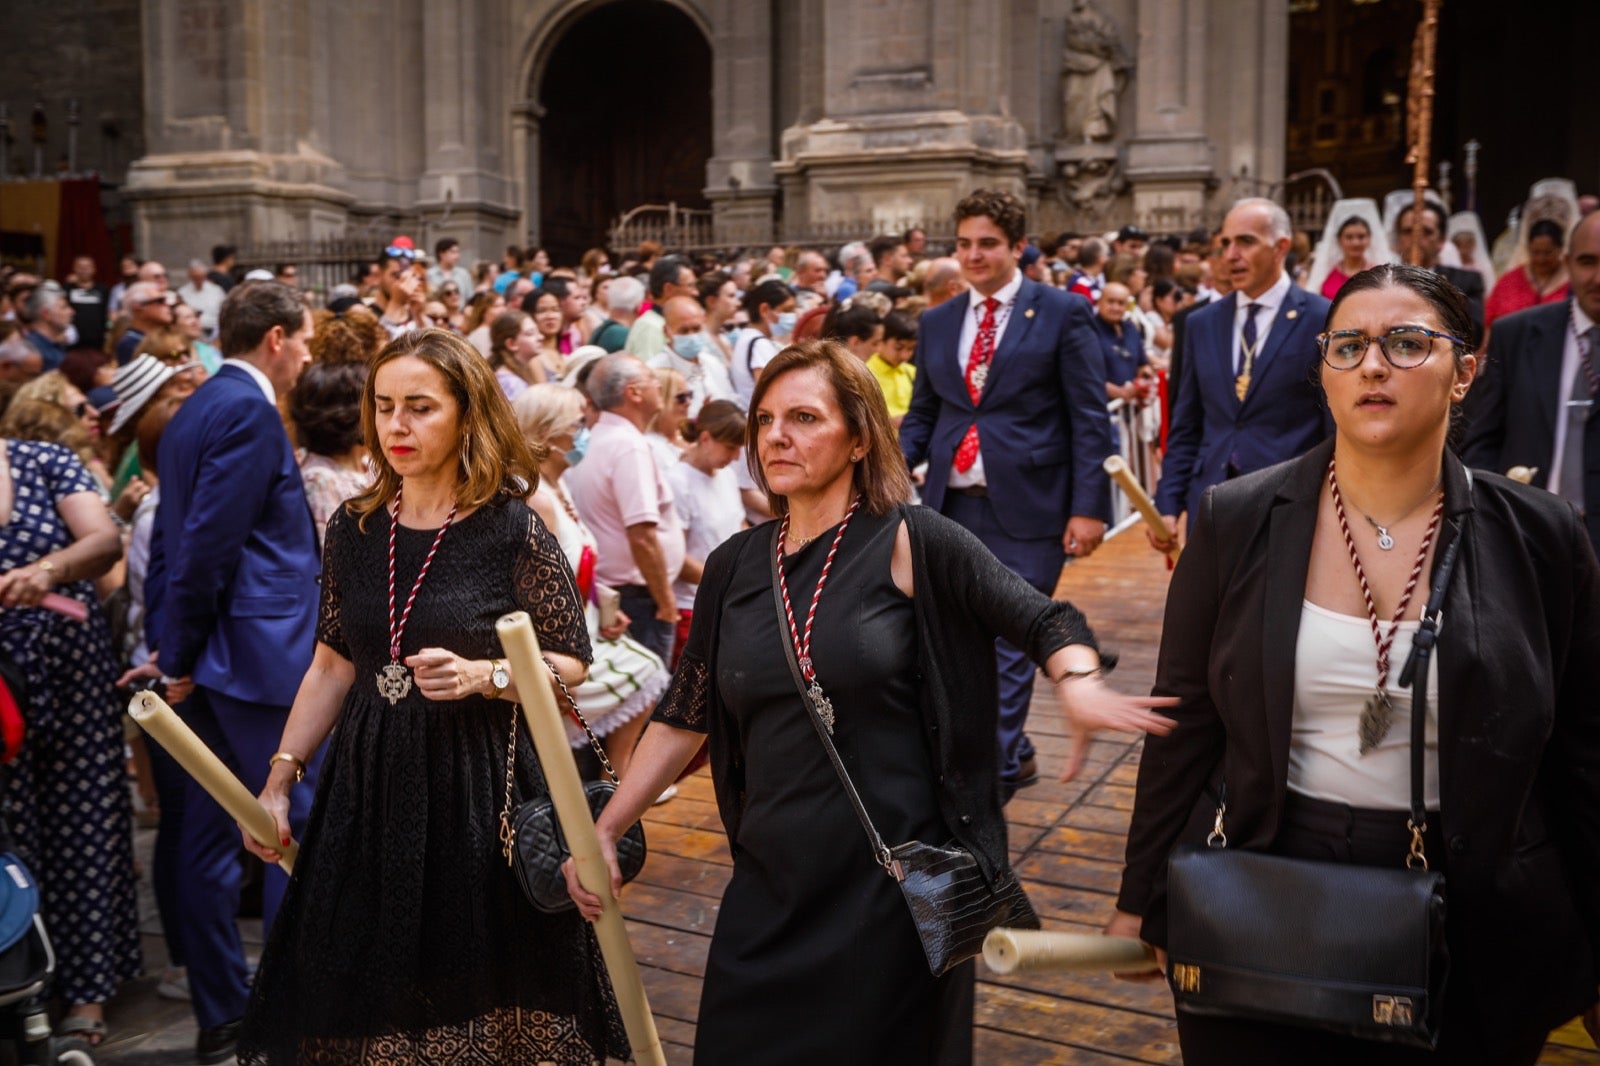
x=977, y=374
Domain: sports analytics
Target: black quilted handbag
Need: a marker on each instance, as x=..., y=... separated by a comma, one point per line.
x=952, y=903
x=1354, y=950
x=530, y=834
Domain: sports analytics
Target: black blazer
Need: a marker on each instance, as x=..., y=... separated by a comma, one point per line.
x=1518, y=709
x=1515, y=402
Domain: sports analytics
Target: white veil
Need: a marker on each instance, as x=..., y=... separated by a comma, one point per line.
x=1401, y=199
x=1328, y=254
x=1555, y=199
x=1468, y=222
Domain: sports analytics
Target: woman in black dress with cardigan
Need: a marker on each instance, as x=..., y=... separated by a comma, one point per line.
x=901, y=643
x=404, y=936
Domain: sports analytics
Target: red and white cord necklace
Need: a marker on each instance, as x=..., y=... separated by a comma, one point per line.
x=394, y=680
x=802, y=641
x=1378, y=712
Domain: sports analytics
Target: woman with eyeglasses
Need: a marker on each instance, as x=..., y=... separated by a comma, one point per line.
x=1289, y=619
x=626, y=678
x=664, y=434
x=448, y=296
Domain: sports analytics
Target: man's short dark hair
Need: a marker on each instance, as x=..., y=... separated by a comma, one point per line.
x=1091, y=252
x=899, y=326
x=1427, y=205
x=557, y=287
x=250, y=312
x=443, y=245
x=1000, y=207
x=905, y=238
x=221, y=253
x=882, y=246
x=664, y=273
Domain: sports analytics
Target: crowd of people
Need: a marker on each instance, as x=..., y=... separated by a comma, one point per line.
x=215, y=475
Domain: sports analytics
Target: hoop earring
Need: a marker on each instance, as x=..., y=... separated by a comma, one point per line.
x=466, y=454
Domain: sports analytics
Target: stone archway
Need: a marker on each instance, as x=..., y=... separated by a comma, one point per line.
x=622, y=107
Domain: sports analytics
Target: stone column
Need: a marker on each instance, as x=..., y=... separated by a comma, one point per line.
x=525, y=158
x=914, y=112
x=739, y=178
x=1169, y=161
x=462, y=193
x=233, y=149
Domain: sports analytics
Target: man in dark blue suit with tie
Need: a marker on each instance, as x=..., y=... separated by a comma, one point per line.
x=1533, y=403
x=237, y=618
x=1009, y=411
x=1248, y=396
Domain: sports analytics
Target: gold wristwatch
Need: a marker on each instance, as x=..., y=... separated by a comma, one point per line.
x=499, y=678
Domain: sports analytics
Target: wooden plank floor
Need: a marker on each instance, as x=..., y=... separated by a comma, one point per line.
x=1066, y=843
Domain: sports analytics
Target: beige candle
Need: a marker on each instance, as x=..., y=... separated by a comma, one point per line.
x=1009, y=951
x=202, y=764
x=1140, y=499
x=572, y=810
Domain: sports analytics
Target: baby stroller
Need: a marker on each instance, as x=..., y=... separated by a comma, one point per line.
x=27, y=961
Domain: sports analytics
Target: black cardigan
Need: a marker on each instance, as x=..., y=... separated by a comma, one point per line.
x=964, y=598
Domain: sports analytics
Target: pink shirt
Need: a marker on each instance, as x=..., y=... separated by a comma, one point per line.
x=617, y=485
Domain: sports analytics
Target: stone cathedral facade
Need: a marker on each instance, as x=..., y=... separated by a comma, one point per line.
x=275, y=120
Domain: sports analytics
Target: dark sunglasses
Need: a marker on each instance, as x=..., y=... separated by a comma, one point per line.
x=394, y=251
x=683, y=397
x=80, y=409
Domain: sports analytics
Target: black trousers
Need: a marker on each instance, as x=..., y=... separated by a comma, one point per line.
x=1333, y=832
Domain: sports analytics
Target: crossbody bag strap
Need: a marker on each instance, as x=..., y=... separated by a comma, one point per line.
x=880, y=851
x=1415, y=676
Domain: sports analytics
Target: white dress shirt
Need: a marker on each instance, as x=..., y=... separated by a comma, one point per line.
x=1007, y=295
x=259, y=378
x=1266, y=315
x=1579, y=324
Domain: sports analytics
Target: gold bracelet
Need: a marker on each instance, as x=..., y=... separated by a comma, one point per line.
x=289, y=756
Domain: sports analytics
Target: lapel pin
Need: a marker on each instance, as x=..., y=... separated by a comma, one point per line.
x=1291, y=314
x=1028, y=313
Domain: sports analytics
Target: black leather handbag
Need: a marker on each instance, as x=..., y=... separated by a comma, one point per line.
x=1354, y=950
x=530, y=834
x=952, y=903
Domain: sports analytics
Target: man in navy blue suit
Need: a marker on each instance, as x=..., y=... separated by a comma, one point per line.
x=1248, y=396
x=1009, y=411
x=237, y=617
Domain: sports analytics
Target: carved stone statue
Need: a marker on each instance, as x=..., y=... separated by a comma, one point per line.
x=1092, y=184
x=1094, y=71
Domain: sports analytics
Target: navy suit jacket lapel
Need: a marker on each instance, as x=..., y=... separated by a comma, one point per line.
x=1546, y=353
x=1017, y=326
x=944, y=359
x=1223, y=334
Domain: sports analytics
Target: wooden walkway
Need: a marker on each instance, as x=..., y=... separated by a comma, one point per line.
x=1066, y=843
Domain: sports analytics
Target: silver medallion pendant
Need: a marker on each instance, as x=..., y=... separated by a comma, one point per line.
x=1376, y=716
x=1385, y=541
x=823, y=705
x=394, y=683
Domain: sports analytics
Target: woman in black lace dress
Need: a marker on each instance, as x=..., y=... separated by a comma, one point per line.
x=814, y=958
x=404, y=937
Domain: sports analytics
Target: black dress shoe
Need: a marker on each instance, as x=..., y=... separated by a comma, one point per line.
x=217, y=1043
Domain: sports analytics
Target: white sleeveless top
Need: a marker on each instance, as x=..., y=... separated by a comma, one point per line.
x=1336, y=671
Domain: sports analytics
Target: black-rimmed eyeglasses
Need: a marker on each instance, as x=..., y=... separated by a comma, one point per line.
x=1405, y=347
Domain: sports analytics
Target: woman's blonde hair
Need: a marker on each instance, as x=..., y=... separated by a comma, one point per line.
x=672, y=383
x=493, y=457
x=881, y=476
x=542, y=411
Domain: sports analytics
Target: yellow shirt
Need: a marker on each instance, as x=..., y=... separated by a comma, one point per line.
x=896, y=382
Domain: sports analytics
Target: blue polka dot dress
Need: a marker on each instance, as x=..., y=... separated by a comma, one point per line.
x=66, y=803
